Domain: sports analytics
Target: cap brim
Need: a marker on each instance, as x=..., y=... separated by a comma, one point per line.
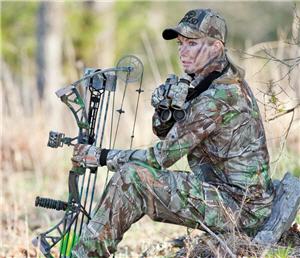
x=170, y=33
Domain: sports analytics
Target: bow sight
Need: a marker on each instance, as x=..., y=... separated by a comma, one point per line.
x=57, y=139
x=89, y=101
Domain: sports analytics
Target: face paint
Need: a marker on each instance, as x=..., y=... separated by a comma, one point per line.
x=196, y=55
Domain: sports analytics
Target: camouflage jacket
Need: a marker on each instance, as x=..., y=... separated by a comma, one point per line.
x=223, y=138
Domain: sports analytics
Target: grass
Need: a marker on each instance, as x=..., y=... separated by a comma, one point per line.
x=280, y=253
x=297, y=220
x=287, y=161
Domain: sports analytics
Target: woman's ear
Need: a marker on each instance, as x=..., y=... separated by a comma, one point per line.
x=218, y=46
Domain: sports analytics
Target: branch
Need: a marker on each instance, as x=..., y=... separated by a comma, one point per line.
x=283, y=113
x=229, y=252
x=283, y=144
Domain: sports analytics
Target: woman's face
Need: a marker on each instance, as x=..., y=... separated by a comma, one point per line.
x=197, y=54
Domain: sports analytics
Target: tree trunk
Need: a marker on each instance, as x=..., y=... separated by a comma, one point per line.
x=49, y=48
x=106, y=39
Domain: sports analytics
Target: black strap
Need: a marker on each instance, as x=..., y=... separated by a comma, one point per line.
x=103, y=157
x=204, y=84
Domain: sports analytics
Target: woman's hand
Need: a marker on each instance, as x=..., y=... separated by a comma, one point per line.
x=85, y=155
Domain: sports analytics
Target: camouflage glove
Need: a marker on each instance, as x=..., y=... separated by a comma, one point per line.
x=158, y=95
x=160, y=128
x=171, y=94
x=86, y=156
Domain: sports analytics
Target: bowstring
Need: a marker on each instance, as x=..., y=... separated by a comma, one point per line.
x=112, y=120
x=139, y=91
x=120, y=111
x=111, y=134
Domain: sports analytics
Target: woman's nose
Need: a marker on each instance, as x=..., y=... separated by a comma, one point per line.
x=182, y=50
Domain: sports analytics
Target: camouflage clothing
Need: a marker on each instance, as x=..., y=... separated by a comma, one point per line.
x=228, y=186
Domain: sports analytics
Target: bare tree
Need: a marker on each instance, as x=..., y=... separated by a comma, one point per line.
x=106, y=38
x=49, y=49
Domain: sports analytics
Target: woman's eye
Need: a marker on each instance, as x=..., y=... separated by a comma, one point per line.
x=179, y=43
x=192, y=43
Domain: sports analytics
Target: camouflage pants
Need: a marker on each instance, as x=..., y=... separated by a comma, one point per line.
x=167, y=196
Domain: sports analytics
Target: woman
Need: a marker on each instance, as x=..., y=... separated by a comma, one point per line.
x=221, y=133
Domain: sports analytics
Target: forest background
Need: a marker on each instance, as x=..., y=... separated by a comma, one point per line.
x=47, y=45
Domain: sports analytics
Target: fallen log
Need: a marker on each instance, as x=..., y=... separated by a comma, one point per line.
x=284, y=211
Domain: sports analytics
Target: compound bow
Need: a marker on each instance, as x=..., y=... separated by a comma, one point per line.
x=90, y=112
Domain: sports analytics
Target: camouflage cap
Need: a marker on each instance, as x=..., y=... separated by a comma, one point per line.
x=199, y=23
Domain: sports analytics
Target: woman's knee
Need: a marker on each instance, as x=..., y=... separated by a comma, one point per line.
x=139, y=174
